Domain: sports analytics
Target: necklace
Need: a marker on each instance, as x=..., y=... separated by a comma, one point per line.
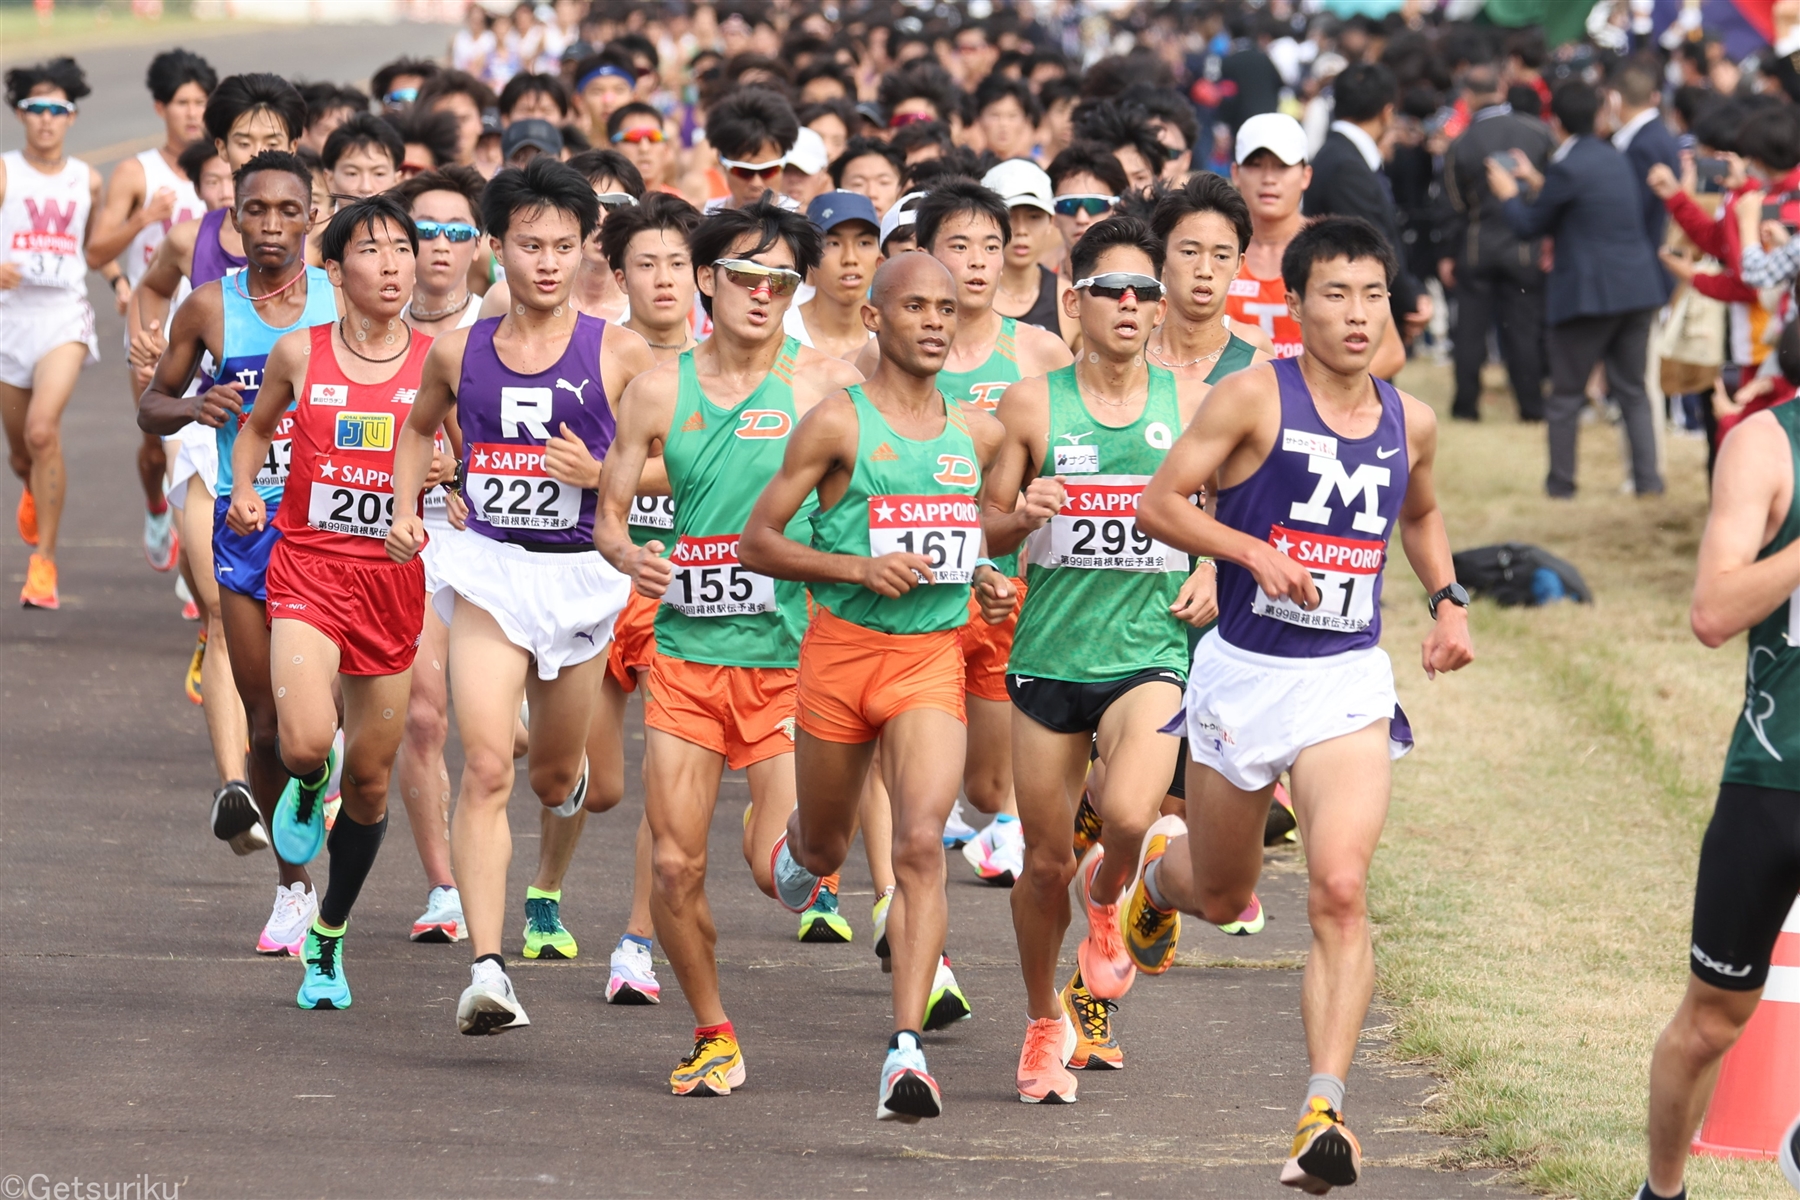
x=428, y=317
x=1158, y=355
x=681, y=345
x=237, y=281
x=1090, y=391
x=351, y=346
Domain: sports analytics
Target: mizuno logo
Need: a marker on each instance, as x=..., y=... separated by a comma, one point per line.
x=1074, y=439
x=1380, y=453
x=563, y=385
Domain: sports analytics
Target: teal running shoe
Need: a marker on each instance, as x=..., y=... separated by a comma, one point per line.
x=300, y=817
x=822, y=922
x=324, y=985
x=545, y=936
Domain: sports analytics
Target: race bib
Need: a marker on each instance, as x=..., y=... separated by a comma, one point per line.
x=1345, y=571
x=1097, y=529
x=353, y=500
x=47, y=258
x=710, y=582
x=509, y=488
x=274, y=470
x=652, y=512
x=945, y=529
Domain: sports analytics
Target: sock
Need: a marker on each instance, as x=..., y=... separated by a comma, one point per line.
x=722, y=1029
x=353, y=848
x=1328, y=1088
x=1151, y=870
x=894, y=1043
x=315, y=780
x=1648, y=1193
x=495, y=959
x=321, y=927
x=532, y=893
x=644, y=942
x=160, y=507
x=1003, y=818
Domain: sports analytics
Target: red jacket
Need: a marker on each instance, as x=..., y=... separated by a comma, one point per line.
x=1718, y=237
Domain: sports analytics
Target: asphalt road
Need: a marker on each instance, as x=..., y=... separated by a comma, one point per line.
x=144, y=1040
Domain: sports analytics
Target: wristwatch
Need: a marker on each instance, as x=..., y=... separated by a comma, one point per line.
x=1454, y=592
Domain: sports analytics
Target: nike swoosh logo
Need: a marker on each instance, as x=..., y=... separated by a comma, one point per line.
x=1380, y=453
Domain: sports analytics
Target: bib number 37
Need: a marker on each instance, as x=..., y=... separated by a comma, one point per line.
x=946, y=530
x=1345, y=571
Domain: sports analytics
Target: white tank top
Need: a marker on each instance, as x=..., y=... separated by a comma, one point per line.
x=158, y=175
x=43, y=227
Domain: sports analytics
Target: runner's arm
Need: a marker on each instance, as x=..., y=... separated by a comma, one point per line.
x=162, y=409
x=147, y=316
x=247, y=513
x=1023, y=418
x=1732, y=590
x=1447, y=647
x=994, y=592
x=412, y=457
x=9, y=271
x=121, y=217
x=643, y=411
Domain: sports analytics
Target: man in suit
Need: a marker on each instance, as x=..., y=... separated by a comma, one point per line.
x=1605, y=286
x=1496, y=274
x=1348, y=181
x=1643, y=139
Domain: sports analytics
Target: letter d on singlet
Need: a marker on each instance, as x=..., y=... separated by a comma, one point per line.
x=527, y=406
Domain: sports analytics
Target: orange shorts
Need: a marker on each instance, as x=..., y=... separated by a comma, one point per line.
x=744, y=713
x=634, y=641
x=854, y=680
x=986, y=648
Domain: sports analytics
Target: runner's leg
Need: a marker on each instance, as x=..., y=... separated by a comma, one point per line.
x=923, y=767
x=1683, y=1071
x=52, y=384
x=823, y=822
x=1047, y=777
x=424, y=776
x=1211, y=870
x=681, y=788
x=875, y=816
x=988, y=775
x=1139, y=763
x=225, y=721
x=247, y=641
x=771, y=800
x=303, y=663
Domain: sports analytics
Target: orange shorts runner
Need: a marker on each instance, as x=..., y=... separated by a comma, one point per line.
x=854, y=680
x=986, y=648
x=744, y=713
x=634, y=641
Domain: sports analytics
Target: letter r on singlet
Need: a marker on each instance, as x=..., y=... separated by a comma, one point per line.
x=527, y=406
x=1367, y=482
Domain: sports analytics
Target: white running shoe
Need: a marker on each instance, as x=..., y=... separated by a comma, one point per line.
x=488, y=1005
x=295, y=908
x=633, y=977
x=443, y=917
x=161, y=545
x=998, y=852
x=956, y=830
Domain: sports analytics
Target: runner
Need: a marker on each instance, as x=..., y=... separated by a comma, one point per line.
x=895, y=545
x=340, y=612
x=48, y=210
x=1205, y=228
x=237, y=321
x=831, y=322
x=1317, y=462
x=1027, y=289
x=147, y=194
x=752, y=131
x=1100, y=656
x=521, y=585
x=616, y=184
x=721, y=684
x=362, y=157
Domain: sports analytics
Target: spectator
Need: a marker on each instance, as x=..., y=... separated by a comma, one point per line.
x=1604, y=289
x=1643, y=138
x=872, y=168
x=1255, y=84
x=475, y=43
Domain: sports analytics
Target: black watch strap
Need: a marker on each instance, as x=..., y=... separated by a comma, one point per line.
x=1453, y=592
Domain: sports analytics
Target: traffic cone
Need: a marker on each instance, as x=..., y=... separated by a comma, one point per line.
x=1759, y=1081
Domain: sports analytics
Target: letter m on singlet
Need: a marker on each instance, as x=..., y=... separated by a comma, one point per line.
x=527, y=406
x=1367, y=482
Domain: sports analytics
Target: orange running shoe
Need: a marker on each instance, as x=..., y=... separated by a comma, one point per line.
x=28, y=518
x=1043, y=1064
x=40, y=584
x=1106, y=967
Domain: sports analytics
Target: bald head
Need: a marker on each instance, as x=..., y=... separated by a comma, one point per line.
x=911, y=274
x=912, y=310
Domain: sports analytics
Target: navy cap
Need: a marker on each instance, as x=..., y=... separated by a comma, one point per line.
x=831, y=209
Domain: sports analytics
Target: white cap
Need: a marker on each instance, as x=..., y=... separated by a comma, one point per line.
x=901, y=214
x=808, y=155
x=1020, y=181
x=1277, y=133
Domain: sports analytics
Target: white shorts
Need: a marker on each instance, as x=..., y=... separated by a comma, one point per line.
x=193, y=452
x=1248, y=716
x=38, y=324
x=558, y=608
x=437, y=527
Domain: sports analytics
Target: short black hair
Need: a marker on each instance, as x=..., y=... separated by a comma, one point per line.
x=744, y=121
x=171, y=69
x=864, y=147
x=659, y=210
x=1055, y=91
x=363, y=129
x=923, y=80
x=1115, y=127
x=574, y=136
x=1773, y=139
x=272, y=160
x=637, y=108
x=526, y=84
x=1528, y=46
x=1111, y=75
x=1575, y=104
x=607, y=56
x=960, y=197
x=1115, y=231
x=382, y=80
x=62, y=73
x=997, y=87
x=193, y=159
x=1163, y=105
x=240, y=94
x=927, y=173
x=827, y=68
x=711, y=240
x=456, y=83
x=540, y=184
x=1362, y=90
x=1335, y=237
x=435, y=131
x=1203, y=192
x=323, y=99
x=919, y=134
x=843, y=110
x=365, y=214
x=1089, y=158
x=634, y=45
x=596, y=165
x=464, y=181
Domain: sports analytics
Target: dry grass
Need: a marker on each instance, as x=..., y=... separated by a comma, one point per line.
x=1534, y=889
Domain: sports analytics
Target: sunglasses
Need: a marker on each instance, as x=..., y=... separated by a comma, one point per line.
x=654, y=137
x=44, y=107
x=1091, y=203
x=761, y=170
x=901, y=120
x=753, y=275
x=1114, y=284
x=454, y=231
x=1173, y=152
x=612, y=200
x=401, y=96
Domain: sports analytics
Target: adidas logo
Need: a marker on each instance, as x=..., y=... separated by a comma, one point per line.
x=695, y=421
x=884, y=453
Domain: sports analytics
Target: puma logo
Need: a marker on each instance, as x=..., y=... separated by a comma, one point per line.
x=563, y=385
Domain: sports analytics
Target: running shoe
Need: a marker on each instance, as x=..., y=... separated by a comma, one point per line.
x=822, y=922
x=285, y=933
x=957, y=831
x=1326, y=1154
x=40, y=584
x=1250, y=921
x=998, y=852
x=1281, y=825
x=324, y=985
x=28, y=531
x=545, y=936
x=880, y=915
x=331, y=811
x=235, y=819
x=1790, y=1154
x=795, y=886
x=1150, y=933
x=1044, y=1062
x=299, y=825
x=162, y=544
x=442, y=920
x=1087, y=825
x=572, y=804
x=947, y=1005
x=189, y=610
x=712, y=1068
x=908, y=1092
x=1105, y=965
x=1096, y=1047
x=334, y=783
x=193, y=672
x=633, y=977
x=488, y=1005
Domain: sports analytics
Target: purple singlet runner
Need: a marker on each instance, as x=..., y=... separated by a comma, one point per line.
x=507, y=417
x=210, y=259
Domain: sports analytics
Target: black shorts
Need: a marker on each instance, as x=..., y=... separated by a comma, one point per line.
x=1064, y=707
x=1749, y=877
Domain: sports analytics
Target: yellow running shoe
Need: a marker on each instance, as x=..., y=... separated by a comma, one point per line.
x=1096, y=1049
x=193, y=671
x=1326, y=1153
x=1150, y=933
x=1087, y=826
x=713, y=1068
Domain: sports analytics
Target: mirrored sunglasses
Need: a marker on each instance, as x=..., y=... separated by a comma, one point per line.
x=744, y=170
x=1114, y=284
x=1091, y=203
x=612, y=200
x=43, y=106
x=654, y=137
x=753, y=275
x=401, y=96
x=455, y=231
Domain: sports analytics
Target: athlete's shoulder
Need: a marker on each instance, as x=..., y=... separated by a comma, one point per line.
x=985, y=430
x=183, y=234
x=446, y=351
x=660, y=382
x=1039, y=350
x=1031, y=393
x=821, y=374
x=1421, y=419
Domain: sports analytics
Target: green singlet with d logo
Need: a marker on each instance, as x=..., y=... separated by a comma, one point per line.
x=981, y=389
x=909, y=497
x=717, y=611
x=1100, y=588
x=1765, y=744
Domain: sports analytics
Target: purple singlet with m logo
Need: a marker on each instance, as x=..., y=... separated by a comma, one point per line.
x=1328, y=502
x=507, y=417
